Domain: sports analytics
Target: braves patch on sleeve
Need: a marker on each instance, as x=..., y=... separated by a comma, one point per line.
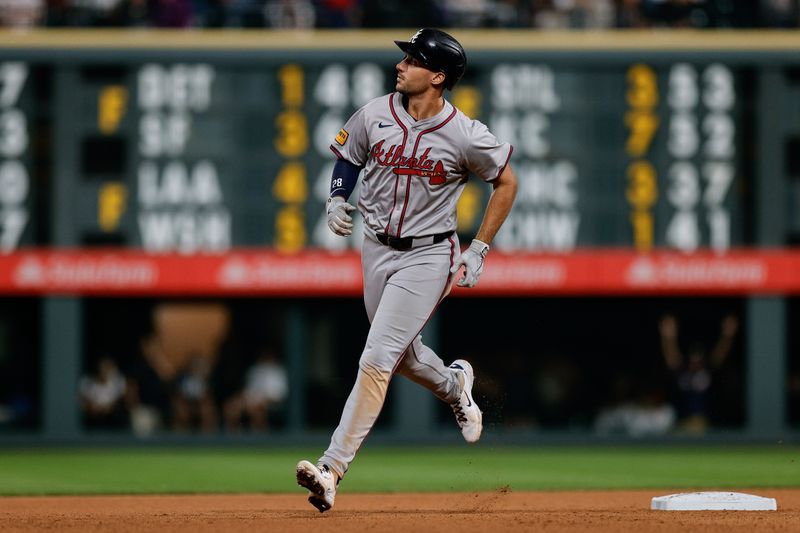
x=341, y=137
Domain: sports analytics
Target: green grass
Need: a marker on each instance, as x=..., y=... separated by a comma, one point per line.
x=378, y=469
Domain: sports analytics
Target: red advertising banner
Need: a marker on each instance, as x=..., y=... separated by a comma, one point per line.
x=258, y=272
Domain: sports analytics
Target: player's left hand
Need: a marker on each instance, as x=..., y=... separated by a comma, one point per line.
x=472, y=260
x=339, y=220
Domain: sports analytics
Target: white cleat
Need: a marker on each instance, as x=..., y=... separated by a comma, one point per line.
x=468, y=415
x=320, y=482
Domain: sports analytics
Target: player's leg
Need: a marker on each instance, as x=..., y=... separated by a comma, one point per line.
x=423, y=366
x=322, y=478
x=377, y=266
x=451, y=384
x=415, y=282
x=419, y=363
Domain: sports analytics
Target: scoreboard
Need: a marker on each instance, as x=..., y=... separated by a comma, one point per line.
x=16, y=104
x=215, y=142
x=641, y=155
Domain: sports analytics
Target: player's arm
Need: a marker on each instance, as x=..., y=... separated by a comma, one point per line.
x=730, y=324
x=500, y=202
x=351, y=147
x=344, y=178
x=668, y=328
x=343, y=181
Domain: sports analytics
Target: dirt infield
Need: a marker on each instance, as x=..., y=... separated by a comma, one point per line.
x=501, y=511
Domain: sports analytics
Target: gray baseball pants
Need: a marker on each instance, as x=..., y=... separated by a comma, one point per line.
x=401, y=292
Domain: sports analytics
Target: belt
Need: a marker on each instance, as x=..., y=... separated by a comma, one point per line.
x=407, y=243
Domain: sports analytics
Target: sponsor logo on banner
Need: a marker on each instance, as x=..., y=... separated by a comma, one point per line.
x=318, y=273
x=84, y=272
x=296, y=274
x=699, y=272
x=541, y=273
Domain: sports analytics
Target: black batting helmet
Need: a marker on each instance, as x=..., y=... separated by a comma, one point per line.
x=439, y=52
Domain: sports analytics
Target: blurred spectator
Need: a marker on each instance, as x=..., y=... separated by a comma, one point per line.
x=636, y=420
x=628, y=14
x=208, y=13
x=173, y=376
x=239, y=13
x=562, y=14
x=466, y=13
x=514, y=13
x=103, y=396
x=338, y=13
x=642, y=414
x=193, y=403
x=149, y=388
x=402, y=14
x=89, y=13
x=290, y=14
x=662, y=13
x=306, y=14
x=18, y=407
x=266, y=386
x=21, y=13
x=675, y=12
x=171, y=13
x=693, y=372
x=779, y=13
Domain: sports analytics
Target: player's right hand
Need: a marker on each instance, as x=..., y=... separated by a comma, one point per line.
x=339, y=220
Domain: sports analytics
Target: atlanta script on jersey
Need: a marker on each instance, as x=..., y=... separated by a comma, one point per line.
x=415, y=171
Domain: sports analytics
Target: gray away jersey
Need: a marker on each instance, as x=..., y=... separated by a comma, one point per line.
x=415, y=171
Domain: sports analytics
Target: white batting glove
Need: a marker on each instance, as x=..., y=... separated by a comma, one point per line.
x=472, y=260
x=339, y=220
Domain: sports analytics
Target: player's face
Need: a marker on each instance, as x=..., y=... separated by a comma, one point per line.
x=413, y=77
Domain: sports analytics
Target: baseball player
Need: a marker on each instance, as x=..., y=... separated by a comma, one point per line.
x=417, y=151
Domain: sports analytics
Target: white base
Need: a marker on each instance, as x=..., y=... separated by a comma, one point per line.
x=713, y=501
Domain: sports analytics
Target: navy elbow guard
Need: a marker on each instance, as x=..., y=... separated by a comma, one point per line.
x=344, y=179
